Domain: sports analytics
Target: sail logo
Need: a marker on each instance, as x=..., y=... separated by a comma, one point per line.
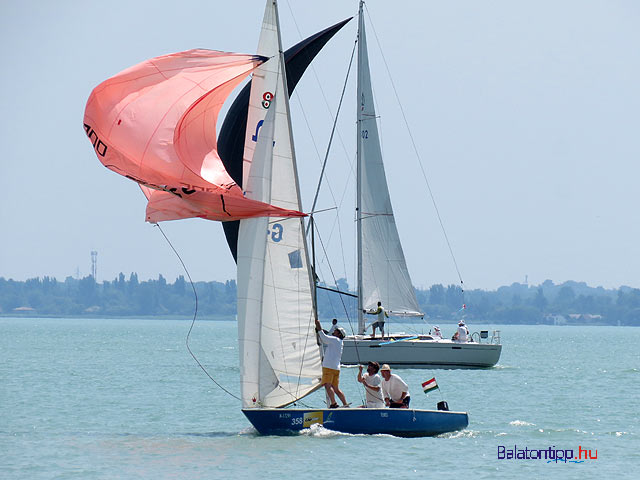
x=267, y=97
x=550, y=454
x=98, y=145
x=311, y=418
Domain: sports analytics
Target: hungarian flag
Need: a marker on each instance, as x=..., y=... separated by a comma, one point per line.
x=429, y=385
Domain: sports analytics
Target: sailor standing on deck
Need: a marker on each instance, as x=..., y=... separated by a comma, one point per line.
x=379, y=323
x=331, y=364
x=462, y=335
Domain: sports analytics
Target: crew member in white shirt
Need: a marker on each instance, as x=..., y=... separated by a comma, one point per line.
x=379, y=323
x=331, y=364
x=372, y=385
x=395, y=391
x=437, y=334
x=462, y=335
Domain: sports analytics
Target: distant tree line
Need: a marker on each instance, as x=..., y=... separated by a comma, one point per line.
x=567, y=303
x=120, y=297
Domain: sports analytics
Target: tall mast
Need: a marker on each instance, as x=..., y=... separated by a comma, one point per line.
x=359, y=172
x=285, y=97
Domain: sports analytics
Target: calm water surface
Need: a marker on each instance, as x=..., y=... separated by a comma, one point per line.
x=108, y=399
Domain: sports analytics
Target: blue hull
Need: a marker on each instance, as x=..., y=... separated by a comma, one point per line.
x=391, y=421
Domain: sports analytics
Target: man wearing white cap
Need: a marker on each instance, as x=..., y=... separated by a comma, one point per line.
x=462, y=335
x=437, y=334
x=331, y=363
x=396, y=392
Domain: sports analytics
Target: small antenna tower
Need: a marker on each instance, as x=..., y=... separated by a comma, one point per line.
x=94, y=265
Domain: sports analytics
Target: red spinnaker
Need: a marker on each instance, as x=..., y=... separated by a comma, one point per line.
x=155, y=123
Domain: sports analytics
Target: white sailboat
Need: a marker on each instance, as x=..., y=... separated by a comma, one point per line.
x=383, y=275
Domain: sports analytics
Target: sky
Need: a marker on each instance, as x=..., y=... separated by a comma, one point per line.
x=526, y=116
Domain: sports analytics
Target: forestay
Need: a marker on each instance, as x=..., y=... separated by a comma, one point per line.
x=279, y=356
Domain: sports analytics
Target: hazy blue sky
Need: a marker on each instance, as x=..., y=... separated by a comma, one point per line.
x=526, y=115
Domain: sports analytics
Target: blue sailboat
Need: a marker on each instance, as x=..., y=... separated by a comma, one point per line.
x=280, y=357
x=388, y=421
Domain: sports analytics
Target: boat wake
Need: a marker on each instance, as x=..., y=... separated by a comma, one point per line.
x=460, y=434
x=502, y=367
x=318, y=431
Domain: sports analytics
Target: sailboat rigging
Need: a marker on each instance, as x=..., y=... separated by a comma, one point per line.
x=382, y=273
x=159, y=130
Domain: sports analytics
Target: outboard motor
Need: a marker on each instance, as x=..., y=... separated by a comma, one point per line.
x=443, y=406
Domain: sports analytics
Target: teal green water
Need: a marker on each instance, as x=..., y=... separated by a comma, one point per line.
x=110, y=399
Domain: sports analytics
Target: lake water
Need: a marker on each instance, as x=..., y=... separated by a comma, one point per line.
x=110, y=399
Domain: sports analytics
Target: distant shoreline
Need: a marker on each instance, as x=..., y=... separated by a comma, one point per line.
x=570, y=303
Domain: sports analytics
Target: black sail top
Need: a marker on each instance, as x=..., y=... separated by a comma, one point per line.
x=231, y=137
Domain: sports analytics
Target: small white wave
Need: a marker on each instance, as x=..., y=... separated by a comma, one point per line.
x=522, y=423
x=460, y=434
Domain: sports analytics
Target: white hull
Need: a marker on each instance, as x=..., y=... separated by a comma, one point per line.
x=421, y=352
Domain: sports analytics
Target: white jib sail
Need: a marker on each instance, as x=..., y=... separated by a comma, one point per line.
x=385, y=277
x=279, y=357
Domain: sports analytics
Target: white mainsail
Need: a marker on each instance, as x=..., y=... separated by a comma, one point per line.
x=383, y=272
x=279, y=357
x=262, y=86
